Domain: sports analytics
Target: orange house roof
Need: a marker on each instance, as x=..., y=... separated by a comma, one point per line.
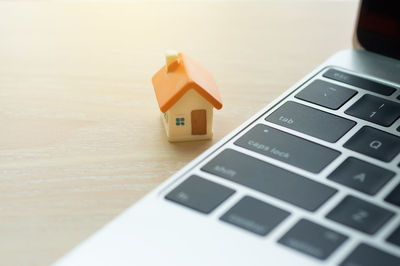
x=183, y=75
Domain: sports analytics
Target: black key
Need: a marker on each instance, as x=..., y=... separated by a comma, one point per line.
x=199, y=194
x=394, y=196
x=394, y=238
x=326, y=94
x=287, y=148
x=313, y=239
x=360, y=215
x=375, y=110
x=255, y=215
x=366, y=255
x=375, y=143
x=269, y=179
x=356, y=81
x=362, y=176
x=311, y=121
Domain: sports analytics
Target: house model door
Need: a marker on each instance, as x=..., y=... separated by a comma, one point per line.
x=199, y=122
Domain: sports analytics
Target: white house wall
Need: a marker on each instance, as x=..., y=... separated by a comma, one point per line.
x=183, y=108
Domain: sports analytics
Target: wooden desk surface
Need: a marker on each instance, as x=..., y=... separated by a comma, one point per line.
x=81, y=138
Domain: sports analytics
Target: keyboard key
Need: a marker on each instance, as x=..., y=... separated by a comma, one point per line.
x=255, y=216
x=394, y=238
x=287, y=148
x=359, y=82
x=394, y=196
x=326, y=94
x=366, y=255
x=199, y=194
x=313, y=239
x=375, y=143
x=375, y=110
x=362, y=176
x=360, y=215
x=269, y=179
x=311, y=121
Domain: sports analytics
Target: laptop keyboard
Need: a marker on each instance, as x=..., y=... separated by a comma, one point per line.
x=314, y=235
x=366, y=177
x=279, y=183
x=365, y=84
x=287, y=148
x=333, y=137
x=311, y=121
x=326, y=94
x=375, y=143
x=264, y=217
x=375, y=110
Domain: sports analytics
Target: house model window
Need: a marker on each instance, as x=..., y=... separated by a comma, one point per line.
x=180, y=121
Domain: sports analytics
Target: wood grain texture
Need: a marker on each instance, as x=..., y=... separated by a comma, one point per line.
x=80, y=136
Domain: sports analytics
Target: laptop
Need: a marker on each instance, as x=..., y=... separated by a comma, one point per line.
x=312, y=179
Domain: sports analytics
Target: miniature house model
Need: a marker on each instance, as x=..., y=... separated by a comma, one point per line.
x=186, y=94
